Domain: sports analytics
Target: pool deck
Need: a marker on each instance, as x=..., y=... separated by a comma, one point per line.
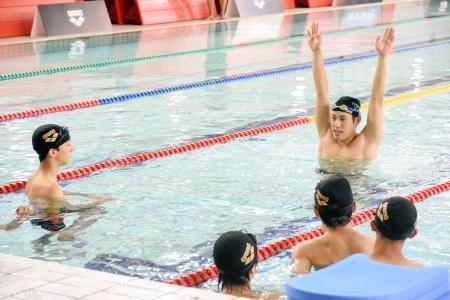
x=116, y=29
x=26, y=278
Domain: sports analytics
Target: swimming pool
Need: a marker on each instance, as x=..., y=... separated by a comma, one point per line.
x=168, y=212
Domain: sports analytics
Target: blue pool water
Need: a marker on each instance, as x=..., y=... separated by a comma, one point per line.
x=168, y=212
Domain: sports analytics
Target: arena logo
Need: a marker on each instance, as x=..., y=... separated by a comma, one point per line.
x=260, y=3
x=76, y=17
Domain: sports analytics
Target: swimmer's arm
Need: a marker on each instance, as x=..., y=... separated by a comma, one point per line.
x=86, y=195
x=68, y=207
x=22, y=211
x=320, y=81
x=301, y=263
x=12, y=225
x=375, y=119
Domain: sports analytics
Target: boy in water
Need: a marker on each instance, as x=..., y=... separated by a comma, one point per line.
x=333, y=203
x=336, y=123
x=394, y=222
x=53, y=145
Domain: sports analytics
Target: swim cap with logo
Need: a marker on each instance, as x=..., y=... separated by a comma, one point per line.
x=235, y=253
x=396, y=218
x=333, y=197
x=49, y=136
x=348, y=104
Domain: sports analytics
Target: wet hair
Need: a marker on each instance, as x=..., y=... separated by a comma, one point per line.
x=334, y=222
x=229, y=280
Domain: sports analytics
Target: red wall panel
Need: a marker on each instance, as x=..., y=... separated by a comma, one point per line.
x=163, y=11
x=287, y=4
x=16, y=17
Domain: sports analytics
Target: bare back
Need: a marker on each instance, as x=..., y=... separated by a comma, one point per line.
x=45, y=194
x=329, y=249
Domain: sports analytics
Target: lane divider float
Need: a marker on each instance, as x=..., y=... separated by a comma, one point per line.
x=200, y=84
x=134, y=60
x=272, y=249
x=223, y=139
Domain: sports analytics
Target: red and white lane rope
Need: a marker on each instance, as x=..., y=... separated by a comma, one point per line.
x=223, y=139
x=272, y=249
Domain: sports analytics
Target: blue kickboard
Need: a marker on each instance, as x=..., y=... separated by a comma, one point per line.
x=359, y=278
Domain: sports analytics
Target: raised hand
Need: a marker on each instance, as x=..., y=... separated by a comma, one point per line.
x=315, y=40
x=383, y=44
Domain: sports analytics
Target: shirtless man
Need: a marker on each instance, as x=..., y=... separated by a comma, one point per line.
x=394, y=222
x=334, y=205
x=53, y=145
x=336, y=124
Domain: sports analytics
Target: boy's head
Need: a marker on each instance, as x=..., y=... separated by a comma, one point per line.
x=236, y=256
x=333, y=200
x=52, y=138
x=395, y=219
x=345, y=117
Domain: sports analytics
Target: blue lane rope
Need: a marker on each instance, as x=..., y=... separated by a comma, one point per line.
x=259, y=74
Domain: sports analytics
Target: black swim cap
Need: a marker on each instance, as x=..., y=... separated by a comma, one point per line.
x=349, y=105
x=49, y=136
x=333, y=197
x=235, y=253
x=396, y=218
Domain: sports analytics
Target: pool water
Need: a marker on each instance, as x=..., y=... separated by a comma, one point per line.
x=167, y=213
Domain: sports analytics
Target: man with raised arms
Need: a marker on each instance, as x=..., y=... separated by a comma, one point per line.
x=336, y=123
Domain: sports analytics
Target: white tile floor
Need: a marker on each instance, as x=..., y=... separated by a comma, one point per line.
x=26, y=278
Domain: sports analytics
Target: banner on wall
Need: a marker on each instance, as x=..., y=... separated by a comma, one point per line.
x=71, y=18
x=250, y=8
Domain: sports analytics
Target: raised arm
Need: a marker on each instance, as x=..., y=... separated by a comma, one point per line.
x=375, y=119
x=320, y=81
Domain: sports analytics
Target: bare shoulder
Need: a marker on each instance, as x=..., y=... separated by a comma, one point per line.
x=415, y=264
x=367, y=137
x=366, y=242
x=45, y=189
x=367, y=238
x=368, y=147
x=306, y=250
x=327, y=137
x=270, y=295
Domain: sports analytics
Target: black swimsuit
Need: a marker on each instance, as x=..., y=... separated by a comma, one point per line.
x=52, y=224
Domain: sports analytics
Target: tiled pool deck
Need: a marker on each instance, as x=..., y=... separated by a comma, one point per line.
x=26, y=278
